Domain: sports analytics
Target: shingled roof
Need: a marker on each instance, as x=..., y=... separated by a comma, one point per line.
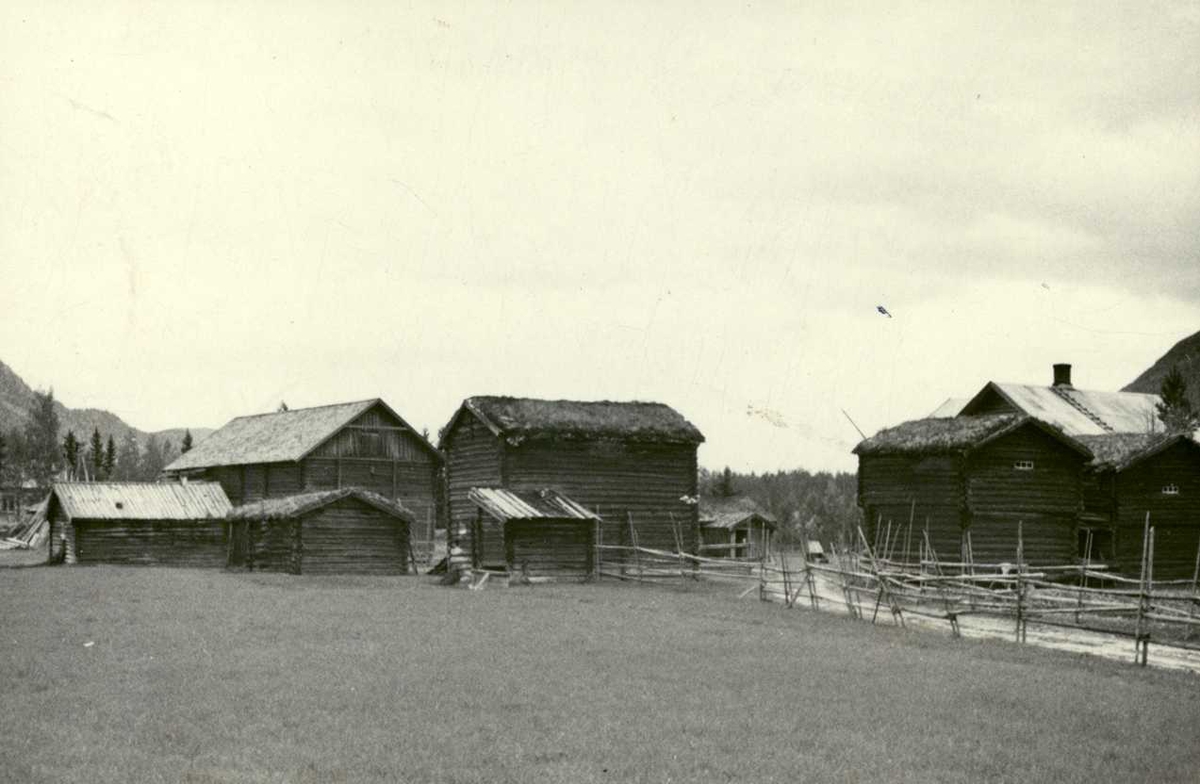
x=141, y=500
x=283, y=436
x=529, y=418
x=292, y=506
x=952, y=435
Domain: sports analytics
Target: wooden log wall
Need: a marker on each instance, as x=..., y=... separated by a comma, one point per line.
x=616, y=479
x=274, y=545
x=929, y=488
x=472, y=460
x=1048, y=498
x=350, y=537
x=59, y=527
x=1175, y=517
x=184, y=543
x=374, y=452
x=562, y=549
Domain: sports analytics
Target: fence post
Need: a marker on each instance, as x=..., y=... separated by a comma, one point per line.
x=1137, y=636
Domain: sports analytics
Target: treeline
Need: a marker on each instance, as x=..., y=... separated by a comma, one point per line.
x=37, y=453
x=819, y=505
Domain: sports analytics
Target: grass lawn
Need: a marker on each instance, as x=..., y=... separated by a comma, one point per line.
x=211, y=677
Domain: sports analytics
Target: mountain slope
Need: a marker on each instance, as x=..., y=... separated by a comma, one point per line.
x=1186, y=356
x=16, y=397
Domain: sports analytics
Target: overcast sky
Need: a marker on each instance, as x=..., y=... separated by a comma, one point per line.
x=206, y=208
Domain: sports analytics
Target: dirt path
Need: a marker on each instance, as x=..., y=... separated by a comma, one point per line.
x=831, y=598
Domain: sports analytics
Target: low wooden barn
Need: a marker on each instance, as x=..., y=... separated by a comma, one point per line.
x=1132, y=476
x=544, y=533
x=151, y=523
x=969, y=480
x=623, y=461
x=735, y=527
x=364, y=444
x=344, y=531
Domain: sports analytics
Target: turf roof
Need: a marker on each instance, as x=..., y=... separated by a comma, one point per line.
x=293, y=506
x=547, y=419
x=936, y=435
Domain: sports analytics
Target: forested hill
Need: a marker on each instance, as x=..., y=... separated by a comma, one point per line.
x=17, y=398
x=1186, y=356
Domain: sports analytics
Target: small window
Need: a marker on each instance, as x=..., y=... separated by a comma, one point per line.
x=1170, y=490
x=1023, y=465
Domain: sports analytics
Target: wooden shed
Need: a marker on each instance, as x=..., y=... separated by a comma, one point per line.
x=1135, y=475
x=545, y=534
x=970, y=480
x=735, y=527
x=151, y=523
x=364, y=444
x=623, y=461
x=346, y=531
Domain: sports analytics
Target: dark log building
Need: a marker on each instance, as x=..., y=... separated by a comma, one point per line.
x=622, y=461
x=164, y=524
x=364, y=444
x=1080, y=469
x=347, y=531
x=972, y=479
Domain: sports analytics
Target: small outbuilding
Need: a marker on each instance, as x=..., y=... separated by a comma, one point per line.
x=345, y=531
x=544, y=533
x=735, y=527
x=149, y=523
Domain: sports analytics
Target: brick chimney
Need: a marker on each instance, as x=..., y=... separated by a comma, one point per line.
x=1062, y=374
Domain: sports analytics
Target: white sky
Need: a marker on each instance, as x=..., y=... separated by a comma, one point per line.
x=209, y=207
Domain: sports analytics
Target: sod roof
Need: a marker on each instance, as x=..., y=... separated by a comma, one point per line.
x=530, y=418
x=292, y=506
x=1118, y=451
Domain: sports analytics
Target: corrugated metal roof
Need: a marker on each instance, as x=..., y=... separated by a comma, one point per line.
x=507, y=505
x=141, y=500
x=1083, y=412
x=721, y=512
x=283, y=436
x=292, y=506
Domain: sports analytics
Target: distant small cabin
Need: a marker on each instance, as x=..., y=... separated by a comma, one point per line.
x=1132, y=476
x=364, y=444
x=545, y=534
x=346, y=531
x=622, y=461
x=146, y=523
x=735, y=527
x=967, y=482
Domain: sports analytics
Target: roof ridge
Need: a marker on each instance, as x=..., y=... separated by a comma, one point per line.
x=1062, y=393
x=308, y=408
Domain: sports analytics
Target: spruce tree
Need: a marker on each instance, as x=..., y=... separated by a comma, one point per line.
x=128, y=458
x=110, y=457
x=71, y=453
x=1176, y=410
x=96, y=454
x=725, y=488
x=186, y=445
x=152, y=461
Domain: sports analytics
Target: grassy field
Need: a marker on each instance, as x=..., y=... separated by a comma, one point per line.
x=215, y=677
